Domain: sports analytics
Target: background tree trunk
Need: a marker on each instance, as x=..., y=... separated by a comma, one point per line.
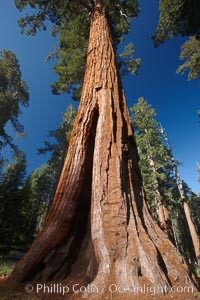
x=161, y=209
x=99, y=227
x=193, y=232
x=186, y=207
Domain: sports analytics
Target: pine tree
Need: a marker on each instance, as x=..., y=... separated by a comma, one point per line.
x=154, y=161
x=185, y=203
x=161, y=177
x=13, y=93
x=36, y=195
x=11, y=201
x=190, y=53
x=198, y=170
x=181, y=17
x=99, y=228
x=177, y=17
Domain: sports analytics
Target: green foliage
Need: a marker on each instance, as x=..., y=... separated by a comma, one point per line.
x=24, y=201
x=6, y=267
x=181, y=17
x=151, y=150
x=11, y=198
x=36, y=191
x=197, y=271
x=13, y=93
x=71, y=21
x=128, y=62
x=72, y=56
x=157, y=163
x=190, y=53
x=61, y=12
x=177, y=17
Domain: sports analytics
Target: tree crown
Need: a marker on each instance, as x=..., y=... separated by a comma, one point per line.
x=177, y=17
x=70, y=21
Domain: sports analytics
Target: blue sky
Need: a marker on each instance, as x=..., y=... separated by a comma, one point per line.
x=175, y=99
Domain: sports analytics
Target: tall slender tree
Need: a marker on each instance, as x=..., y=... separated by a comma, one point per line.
x=186, y=206
x=198, y=170
x=154, y=160
x=99, y=228
x=36, y=196
x=159, y=177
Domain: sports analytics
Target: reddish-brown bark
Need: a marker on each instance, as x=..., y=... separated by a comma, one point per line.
x=193, y=232
x=99, y=228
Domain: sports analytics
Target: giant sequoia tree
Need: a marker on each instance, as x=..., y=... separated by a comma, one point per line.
x=99, y=228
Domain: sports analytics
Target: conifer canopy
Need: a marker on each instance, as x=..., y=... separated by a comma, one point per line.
x=70, y=21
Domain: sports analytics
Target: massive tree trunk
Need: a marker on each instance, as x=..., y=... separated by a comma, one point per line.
x=99, y=228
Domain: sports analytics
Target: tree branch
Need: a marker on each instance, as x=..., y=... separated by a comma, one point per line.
x=85, y=5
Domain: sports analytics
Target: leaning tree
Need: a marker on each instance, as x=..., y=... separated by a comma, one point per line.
x=99, y=228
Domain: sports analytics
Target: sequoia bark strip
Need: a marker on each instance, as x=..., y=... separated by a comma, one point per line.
x=124, y=244
x=193, y=232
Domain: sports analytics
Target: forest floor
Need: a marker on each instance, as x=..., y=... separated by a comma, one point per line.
x=68, y=290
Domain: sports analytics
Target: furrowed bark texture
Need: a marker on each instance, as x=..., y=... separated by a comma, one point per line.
x=99, y=227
